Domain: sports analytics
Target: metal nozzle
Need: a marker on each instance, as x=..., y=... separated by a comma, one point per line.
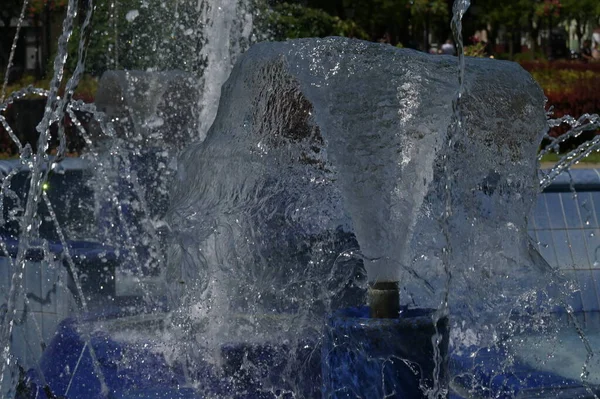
x=384, y=300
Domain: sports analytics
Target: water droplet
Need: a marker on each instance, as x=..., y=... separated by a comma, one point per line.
x=132, y=15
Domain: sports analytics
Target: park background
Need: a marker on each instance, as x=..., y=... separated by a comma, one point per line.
x=544, y=36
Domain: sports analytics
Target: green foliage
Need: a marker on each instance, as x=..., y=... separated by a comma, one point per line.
x=581, y=10
x=85, y=90
x=429, y=7
x=159, y=34
x=584, y=12
x=529, y=56
x=37, y=6
x=290, y=21
x=510, y=13
x=139, y=34
x=548, y=7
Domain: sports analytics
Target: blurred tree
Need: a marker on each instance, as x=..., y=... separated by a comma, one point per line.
x=39, y=6
x=585, y=13
x=428, y=12
x=10, y=9
x=40, y=13
x=382, y=20
x=393, y=21
x=516, y=16
x=549, y=10
x=290, y=21
x=140, y=34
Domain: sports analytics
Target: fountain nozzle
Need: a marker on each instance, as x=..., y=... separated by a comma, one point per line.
x=384, y=299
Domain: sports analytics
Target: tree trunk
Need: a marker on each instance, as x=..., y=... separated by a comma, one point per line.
x=46, y=40
x=517, y=36
x=579, y=31
x=39, y=70
x=550, y=42
x=404, y=32
x=426, y=34
x=372, y=28
x=534, y=32
x=492, y=38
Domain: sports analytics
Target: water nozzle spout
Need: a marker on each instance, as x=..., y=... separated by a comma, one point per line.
x=384, y=299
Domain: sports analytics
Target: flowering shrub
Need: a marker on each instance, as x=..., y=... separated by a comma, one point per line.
x=475, y=50
x=539, y=65
x=581, y=98
x=548, y=7
x=572, y=88
x=36, y=7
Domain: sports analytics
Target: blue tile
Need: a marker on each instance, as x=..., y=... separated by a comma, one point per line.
x=589, y=296
x=579, y=241
x=33, y=284
x=592, y=239
x=572, y=213
x=539, y=216
x=574, y=299
x=555, y=213
x=596, y=282
x=544, y=245
x=592, y=205
x=560, y=244
x=586, y=209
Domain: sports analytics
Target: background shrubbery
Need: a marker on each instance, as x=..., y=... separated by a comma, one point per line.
x=572, y=88
x=292, y=21
x=24, y=114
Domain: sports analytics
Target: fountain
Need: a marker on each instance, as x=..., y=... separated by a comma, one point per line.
x=307, y=156
x=336, y=174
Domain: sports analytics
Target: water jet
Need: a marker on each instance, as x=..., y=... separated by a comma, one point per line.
x=323, y=185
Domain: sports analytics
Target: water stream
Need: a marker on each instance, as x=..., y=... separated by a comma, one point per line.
x=38, y=164
x=273, y=223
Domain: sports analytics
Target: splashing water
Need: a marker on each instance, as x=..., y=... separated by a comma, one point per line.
x=13, y=49
x=293, y=159
x=229, y=29
x=584, y=123
x=261, y=249
x=459, y=9
x=108, y=152
x=37, y=163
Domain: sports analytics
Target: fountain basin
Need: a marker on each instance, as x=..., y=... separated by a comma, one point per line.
x=355, y=352
x=530, y=364
x=138, y=364
x=49, y=294
x=483, y=379
x=67, y=188
x=375, y=358
x=69, y=371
